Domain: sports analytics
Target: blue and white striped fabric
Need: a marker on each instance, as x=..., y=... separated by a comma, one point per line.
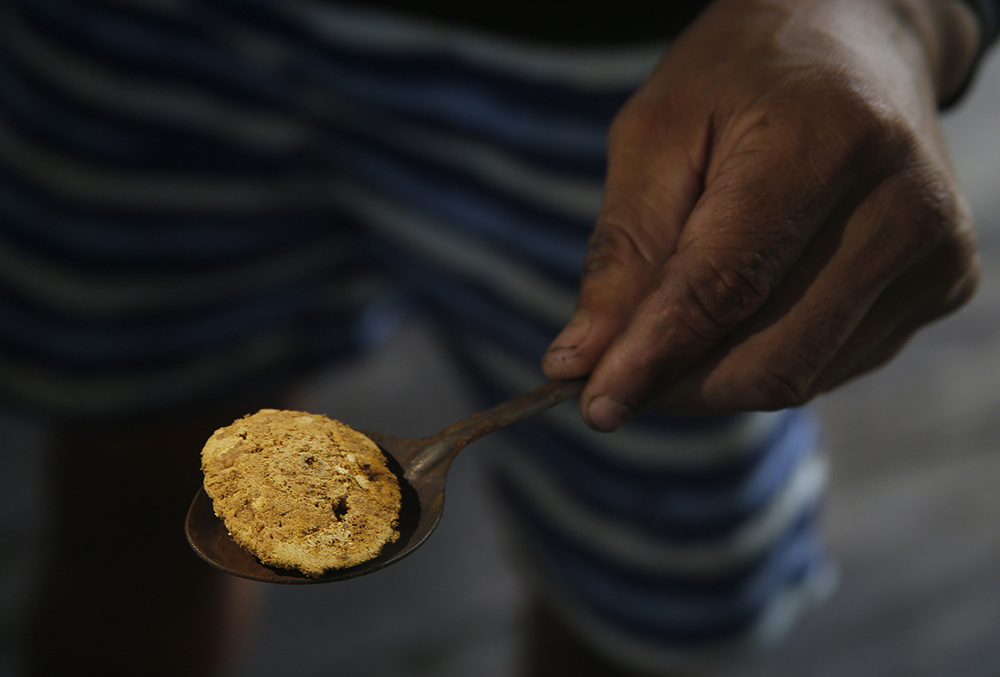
x=195, y=196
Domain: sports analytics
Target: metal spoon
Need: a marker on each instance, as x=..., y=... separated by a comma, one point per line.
x=421, y=466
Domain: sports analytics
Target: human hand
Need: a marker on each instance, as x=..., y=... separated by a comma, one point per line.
x=780, y=212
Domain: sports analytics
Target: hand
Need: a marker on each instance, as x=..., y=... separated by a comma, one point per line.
x=780, y=213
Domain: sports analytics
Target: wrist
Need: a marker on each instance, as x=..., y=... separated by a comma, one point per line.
x=949, y=33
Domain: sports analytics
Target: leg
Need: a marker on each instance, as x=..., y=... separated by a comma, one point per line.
x=123, y=593
x=554, y=651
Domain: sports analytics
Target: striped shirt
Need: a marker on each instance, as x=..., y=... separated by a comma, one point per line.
x=198, y=195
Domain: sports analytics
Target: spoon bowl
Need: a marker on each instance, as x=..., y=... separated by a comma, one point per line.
x=420, y=465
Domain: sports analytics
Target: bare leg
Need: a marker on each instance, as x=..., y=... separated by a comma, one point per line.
x=123, y=594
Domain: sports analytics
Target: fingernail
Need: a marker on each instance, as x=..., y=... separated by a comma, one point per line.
x=605, y=414
x=573, y=334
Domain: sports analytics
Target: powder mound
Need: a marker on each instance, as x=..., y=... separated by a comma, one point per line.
x=301, y=491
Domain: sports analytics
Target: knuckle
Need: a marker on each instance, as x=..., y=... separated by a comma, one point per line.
x=850, y=134
x=729, y=287
x=920, y=213
x=932, y=220
x=636, y=123
x=874, y=135
x=602, y=251
x=957, y=255
x=935, y=212
x=962, y=286
x=780, y=381
x=967, y=286
x=613, y=245
x=867, y=128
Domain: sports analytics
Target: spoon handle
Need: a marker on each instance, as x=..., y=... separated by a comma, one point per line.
x=447, y=443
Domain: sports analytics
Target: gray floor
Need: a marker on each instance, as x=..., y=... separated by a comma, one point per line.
x=914, y=514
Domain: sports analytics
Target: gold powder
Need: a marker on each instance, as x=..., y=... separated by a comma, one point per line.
x=301, y=491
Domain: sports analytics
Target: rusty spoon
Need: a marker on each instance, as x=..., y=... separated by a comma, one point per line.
x=421, y=466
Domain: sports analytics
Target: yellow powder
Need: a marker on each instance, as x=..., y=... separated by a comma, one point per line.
x=301, y=491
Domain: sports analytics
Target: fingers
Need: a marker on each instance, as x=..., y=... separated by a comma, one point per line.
x=752, y=224
x=928, y=292
x=648, y=199
x=708, y=389
x=864, y=304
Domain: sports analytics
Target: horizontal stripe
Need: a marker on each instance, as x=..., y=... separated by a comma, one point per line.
x=162, y=7
x=432, y=242
x=101, y=346
x=507, y=174
x=675, y=503
x=382, y=33
x=693, y=610
x=772, y=626
x=277, y=353
x=570, y=192
x=92, y=186
x=543, y=240
x=622, y=543
x=88, y=80
x=154, y=243
x=80, y=292
x=65, y=394
x=452, y=104
x=20, y=99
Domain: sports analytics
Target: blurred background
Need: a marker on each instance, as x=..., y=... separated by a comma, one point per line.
x=913, y=516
